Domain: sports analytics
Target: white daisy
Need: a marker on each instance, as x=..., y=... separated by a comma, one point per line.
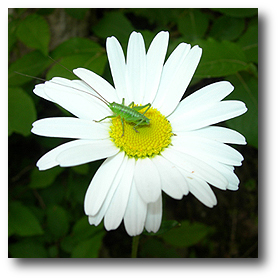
x=179, y=152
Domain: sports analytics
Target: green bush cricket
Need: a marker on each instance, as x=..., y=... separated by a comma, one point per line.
x=129, y=113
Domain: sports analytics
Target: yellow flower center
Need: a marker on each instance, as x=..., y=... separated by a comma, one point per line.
x=149, y=141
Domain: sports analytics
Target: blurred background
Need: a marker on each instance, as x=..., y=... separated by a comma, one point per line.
x=46, y=217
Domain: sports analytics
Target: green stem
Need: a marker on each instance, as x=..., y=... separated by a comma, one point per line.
x=135, y=243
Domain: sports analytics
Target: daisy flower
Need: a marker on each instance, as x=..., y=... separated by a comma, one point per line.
x=178, y=152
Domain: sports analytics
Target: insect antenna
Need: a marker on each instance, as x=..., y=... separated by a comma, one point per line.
x=44, y=80
x=103, y=99
x=29, y=76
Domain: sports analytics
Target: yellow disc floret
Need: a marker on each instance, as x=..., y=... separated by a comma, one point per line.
x=150, y=140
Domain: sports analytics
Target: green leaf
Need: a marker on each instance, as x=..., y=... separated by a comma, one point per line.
x=95, y=63
x=53, y=251
x=77, y=186
x=165, y=226
x=81, y=231
x=75, y=46
x=89, y=248
x=21, y=111
x=227, y=28
x=77, y=52
x=193, y=25
x=237, y=12
x=246, y=90
x=249, y=43
x=34, y=32
x=22, y=221
x=12, y=34
x=54, y=194
x=57, y=221
x=220, y=59
x=27, y=249
x=187, y=234
x=42, y=179
x=155, y=248
x=114, y=24
x=33, y=63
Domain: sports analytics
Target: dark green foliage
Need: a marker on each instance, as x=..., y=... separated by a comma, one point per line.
x=22, y=221
x=21, y=111
x=220, y=59
x=34, y=32
x=46, y=218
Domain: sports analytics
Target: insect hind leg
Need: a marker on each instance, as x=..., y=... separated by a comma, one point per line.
x=141, y=107
x=138, y=108
x=137, y=125
x=149, y=106
x=113, y=116
x=122, y=126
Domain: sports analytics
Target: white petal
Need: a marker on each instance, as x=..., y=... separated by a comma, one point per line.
x=101, y=183
x=228, y=172
x=201, y=147
x=195, y=167
x=121, y=180
x=155, y=60
x=172, y=181
x=94, y=220
x=68, y=127
x=233, y=186
x=202, y=191
x=87, y=152
x=147, y=180
x=216, y=113
x=40, y=91
x=136, y=68
x=154, y=215
x=176, y=77
x=117, y=65
x=202, y=98
x=97, y=83
x=49, y=160
x=100, y=108
x=118, y=204
x=135, y=214
x=81, y=103
x=169, y=69
x=217, y=133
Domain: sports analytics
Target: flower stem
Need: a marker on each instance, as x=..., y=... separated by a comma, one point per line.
x=135, y=243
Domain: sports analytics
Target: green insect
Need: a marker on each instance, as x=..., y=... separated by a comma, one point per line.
x=128, y=113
